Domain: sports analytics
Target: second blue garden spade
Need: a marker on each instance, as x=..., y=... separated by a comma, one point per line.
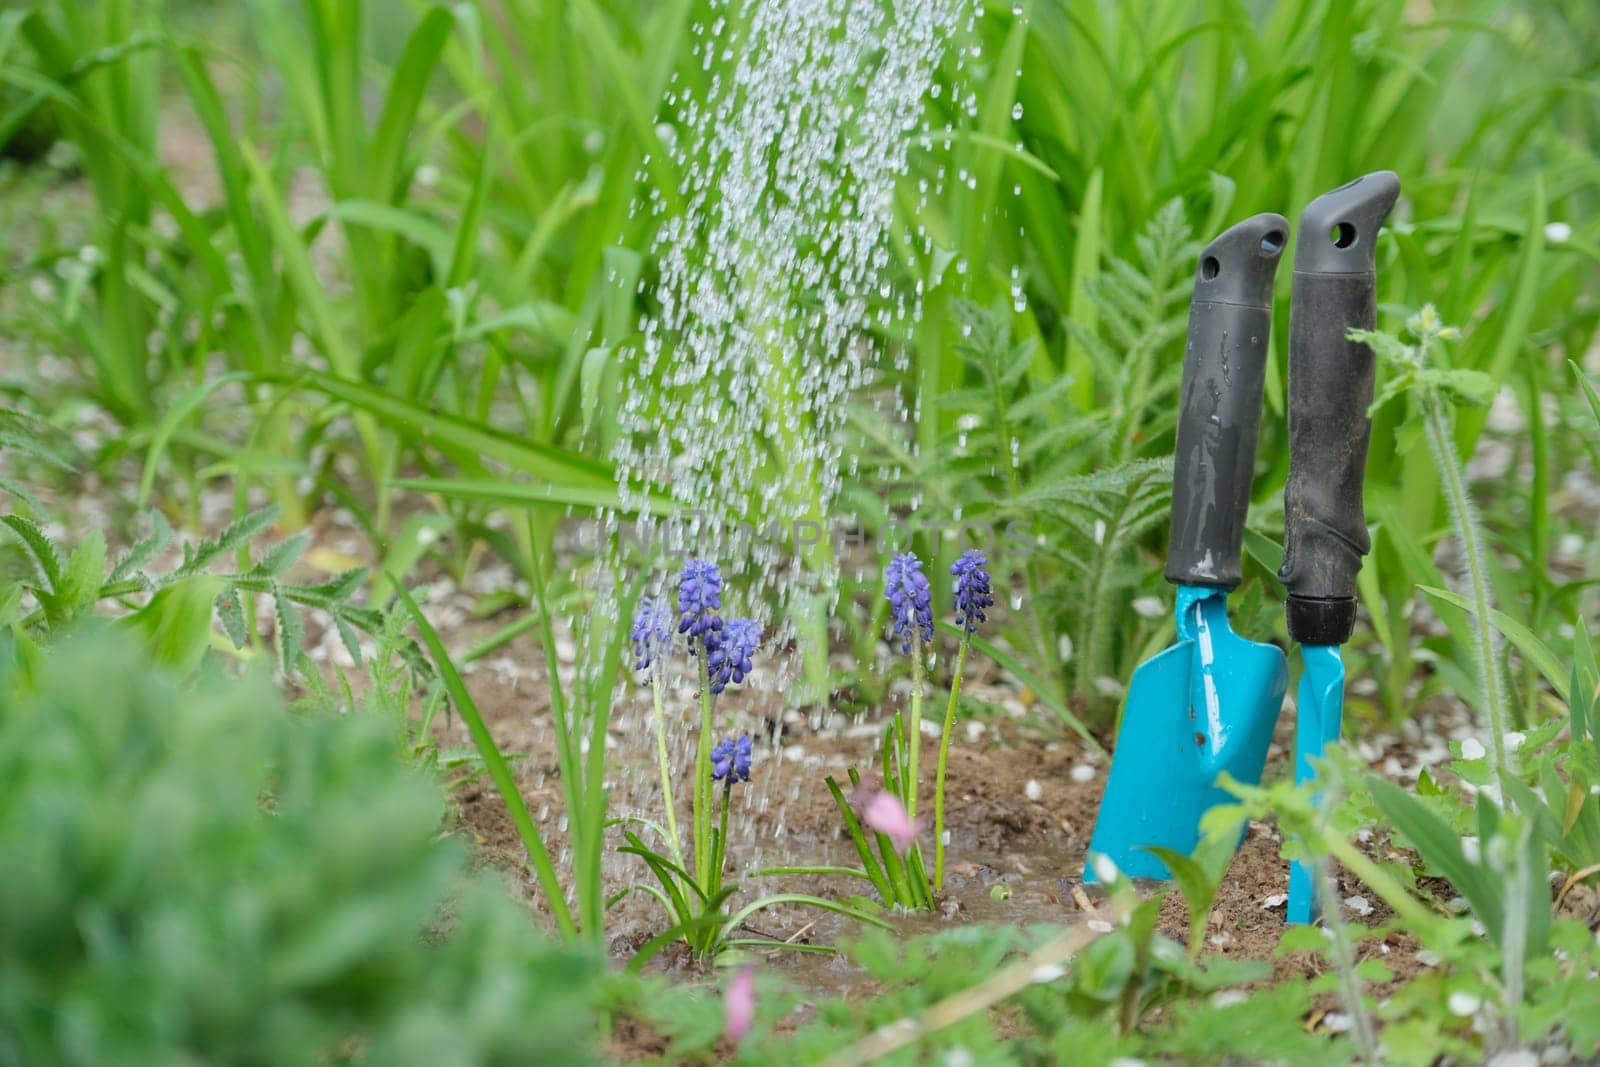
x=1324, y=525
x=1209, y=703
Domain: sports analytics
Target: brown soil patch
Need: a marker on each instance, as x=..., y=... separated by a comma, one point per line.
x=1020, y=809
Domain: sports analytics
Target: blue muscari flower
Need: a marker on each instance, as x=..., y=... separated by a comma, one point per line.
x=652, y=631
x=972, y=589
x=728, y=652
x=699, y=600
x=910, y=599
x=731, y=760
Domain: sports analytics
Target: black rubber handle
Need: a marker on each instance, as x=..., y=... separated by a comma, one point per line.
x=1224, y=363
x=1330, y=389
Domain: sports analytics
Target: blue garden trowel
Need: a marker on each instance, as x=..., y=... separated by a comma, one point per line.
x=1209, y=703
x=1324, y=525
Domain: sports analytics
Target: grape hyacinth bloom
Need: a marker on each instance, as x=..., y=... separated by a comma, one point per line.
x=972, y=589
x=729, y=651
x=910, y=599
x=699, y=599
x=730, y=760
x=652, y=632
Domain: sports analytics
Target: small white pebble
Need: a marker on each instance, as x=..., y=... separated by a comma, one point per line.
x=1470, y=849
x=1082, y=773
x=1359, y=905
x=1099, y=926
x=974, y=732
x=1105, y=869
x=1517, y=1057
x=1274, y=900
x=1464, y=1004
x=1149, y=607
x=1426, y=958
x=1336, y=1022
x=1514, y=740
x=1221, y=939
x=1047, y=973
x=1033, y=790
x=959, y=1057
x=1126, y=1061
x=1228, y=998
x=1557, y=232
x=1472, y=748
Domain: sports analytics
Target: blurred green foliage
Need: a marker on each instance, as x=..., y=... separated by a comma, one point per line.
x=195, y=874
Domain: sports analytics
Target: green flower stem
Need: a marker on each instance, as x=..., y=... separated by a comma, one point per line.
x=721, y=848
x=702, y=775
x=944, y=759
x=914, y=742
x=656, y=687
x=1441, y=441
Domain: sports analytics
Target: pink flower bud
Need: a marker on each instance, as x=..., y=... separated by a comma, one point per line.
x=883, y=812
x=739, y=1003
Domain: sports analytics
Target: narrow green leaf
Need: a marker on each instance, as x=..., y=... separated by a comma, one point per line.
x=407, y=86
x=495, y=763
x=1525, y=640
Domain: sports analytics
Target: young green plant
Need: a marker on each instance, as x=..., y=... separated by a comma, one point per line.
x=1434, y=393
x=722, y=650
x=891, y=858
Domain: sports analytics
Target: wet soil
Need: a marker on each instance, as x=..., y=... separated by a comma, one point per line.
x=1021, y=804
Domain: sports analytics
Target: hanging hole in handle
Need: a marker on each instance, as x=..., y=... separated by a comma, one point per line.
x=1343, y=235
x=1209, y=268
x=1272, y=243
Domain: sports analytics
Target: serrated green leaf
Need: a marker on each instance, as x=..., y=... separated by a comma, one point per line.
x=348, y=635
x=230, y=612
x=80, y=581
x=235, y=536
x=291, y=631
x=145, y=549
x=280, y=557
x=43, y=550
x=22, y=493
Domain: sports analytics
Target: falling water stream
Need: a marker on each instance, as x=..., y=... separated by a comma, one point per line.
x=774, y=277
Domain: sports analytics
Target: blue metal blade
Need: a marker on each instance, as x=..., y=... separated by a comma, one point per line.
x=1206, y=705
x=1319, y=711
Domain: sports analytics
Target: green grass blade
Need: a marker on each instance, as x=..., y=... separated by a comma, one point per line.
x=495, y=763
